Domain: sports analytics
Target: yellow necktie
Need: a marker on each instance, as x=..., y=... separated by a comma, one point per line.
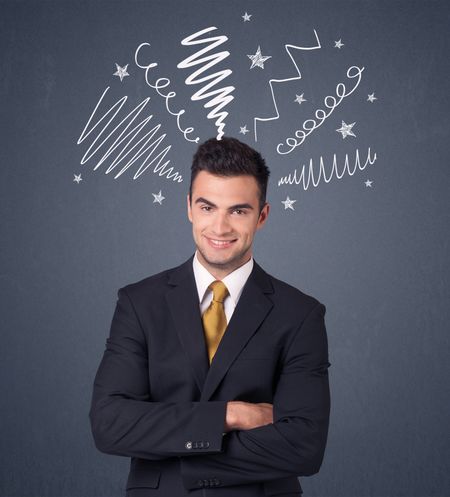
x=214, y=318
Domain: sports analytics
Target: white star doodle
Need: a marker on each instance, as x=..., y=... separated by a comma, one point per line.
x=121, y=72
x=368, y=183
x=288, y=203
x=243, y=130
x=371, y=97
x=338, y=44
x=77, y=178
x=258, y=59
x=300, y=99
x=158, y=198
x=346, y=130
x=246, y=17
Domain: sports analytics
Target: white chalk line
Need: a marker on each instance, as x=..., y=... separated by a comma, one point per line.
x=321, y=115
x=221, y=96
x=126, y=142
x=307, y=176
x=295, y=78
x=160, y=84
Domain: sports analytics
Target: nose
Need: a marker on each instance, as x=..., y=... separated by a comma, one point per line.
x=221, y=225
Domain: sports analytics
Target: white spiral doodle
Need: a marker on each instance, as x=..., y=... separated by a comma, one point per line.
x=321, y=115
x=307, y=175
x=219, y=97
x=126, y=143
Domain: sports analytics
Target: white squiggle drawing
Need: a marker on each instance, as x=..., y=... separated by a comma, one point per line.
x=222, y=96
x=159, y=84
x=272, y=81
x=321, y=115
x=307, y=175
x=125, y=144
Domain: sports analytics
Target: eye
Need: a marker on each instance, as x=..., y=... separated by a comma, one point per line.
x=239, y=212
x=206, y=208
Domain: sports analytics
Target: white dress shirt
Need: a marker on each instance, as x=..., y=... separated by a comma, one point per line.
x=234, y=281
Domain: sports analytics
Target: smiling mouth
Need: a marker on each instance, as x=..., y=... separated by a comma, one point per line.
x=219, y=243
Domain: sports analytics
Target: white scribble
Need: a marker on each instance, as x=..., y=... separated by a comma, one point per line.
x=288, y=203
x=321, y=115
x=125, y=144
x=258, y=59
x=308, y=176
x=371, y=98
x=272, y=81
x=346, y=130
x=300, y=99
x=338, y=44
x=77, y=178
x=368, y=183
x=121, y=72
x=246, y=17
x=160, y=84
x=158, y=198
x=243, y=130
x=219, y=97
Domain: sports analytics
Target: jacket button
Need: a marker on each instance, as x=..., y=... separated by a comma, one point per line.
x=188, y=445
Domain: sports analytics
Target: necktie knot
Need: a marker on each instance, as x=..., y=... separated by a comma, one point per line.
x=219, y=290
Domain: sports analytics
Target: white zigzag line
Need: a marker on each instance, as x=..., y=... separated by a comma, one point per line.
x=220, y=97
x=271, y=81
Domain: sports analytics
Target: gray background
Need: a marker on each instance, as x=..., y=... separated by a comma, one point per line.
x=376, y=256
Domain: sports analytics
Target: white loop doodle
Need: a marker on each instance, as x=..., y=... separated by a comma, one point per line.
x=160, y=84
x=331, y=103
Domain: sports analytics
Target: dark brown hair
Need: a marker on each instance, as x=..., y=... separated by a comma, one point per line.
x=230, y=157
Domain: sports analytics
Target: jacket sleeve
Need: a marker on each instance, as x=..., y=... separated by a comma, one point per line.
x=125, y=421
x=295, y=443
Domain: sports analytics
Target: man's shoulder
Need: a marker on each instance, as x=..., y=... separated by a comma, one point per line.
x=158, y=282
x=290, y=295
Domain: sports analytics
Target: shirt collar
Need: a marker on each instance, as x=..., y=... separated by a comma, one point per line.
x=234, y=281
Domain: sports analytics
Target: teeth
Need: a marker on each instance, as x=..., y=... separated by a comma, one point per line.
x=220, y=242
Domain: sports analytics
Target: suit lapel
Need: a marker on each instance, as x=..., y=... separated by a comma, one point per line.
x=253, y=307
x=182, y=300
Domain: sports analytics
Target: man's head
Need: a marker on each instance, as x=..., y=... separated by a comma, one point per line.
x=226, y=203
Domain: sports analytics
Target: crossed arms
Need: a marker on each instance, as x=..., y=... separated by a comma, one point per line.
x=264, y=441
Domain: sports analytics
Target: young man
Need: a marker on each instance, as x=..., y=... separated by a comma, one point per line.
x=214, y=379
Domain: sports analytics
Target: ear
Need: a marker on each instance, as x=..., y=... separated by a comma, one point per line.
x=263, y=215
x=189, y=210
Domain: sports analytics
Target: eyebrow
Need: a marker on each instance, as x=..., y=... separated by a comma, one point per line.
x=202, y=200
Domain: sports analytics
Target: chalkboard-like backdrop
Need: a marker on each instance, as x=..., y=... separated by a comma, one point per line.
x=347, y=101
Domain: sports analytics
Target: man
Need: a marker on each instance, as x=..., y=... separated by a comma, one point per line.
x=214, y=379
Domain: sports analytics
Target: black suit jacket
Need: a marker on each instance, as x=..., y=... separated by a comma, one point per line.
x=157, y=400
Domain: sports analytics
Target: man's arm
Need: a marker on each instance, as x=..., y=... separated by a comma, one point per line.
x=295, y=443
x=246, y=416
x=123, y=419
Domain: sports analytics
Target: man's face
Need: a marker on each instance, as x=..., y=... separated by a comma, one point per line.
x=224, y=212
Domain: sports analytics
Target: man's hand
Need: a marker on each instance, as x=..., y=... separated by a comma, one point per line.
x=245, y=415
